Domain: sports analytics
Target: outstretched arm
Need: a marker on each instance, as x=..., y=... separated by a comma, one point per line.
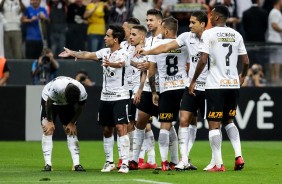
x=159, y=49
x=79, y=55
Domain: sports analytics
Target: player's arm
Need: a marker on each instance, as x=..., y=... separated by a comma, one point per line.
x=160, y=49
x=49, y=126
x=152, y=82
x=245, y=66
x=137, y=96
x=70, y=129
x=79, y=55
x=200, y=66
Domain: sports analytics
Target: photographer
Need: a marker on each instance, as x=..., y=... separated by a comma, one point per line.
x=255, y=77
x=45, y=68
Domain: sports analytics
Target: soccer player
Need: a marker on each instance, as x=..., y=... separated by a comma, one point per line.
x=145, y=107
x=127, y=25
x=221, y=47
x=190, y=103
x=114, y=96
x=65, y=97
x=172, y=76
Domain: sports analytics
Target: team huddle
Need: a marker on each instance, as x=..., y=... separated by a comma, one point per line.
x=164, y=75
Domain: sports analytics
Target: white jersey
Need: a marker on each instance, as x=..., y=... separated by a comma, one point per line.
x=171, y=67
x=192, y=42
x=223, y=44
x=55, y=90
x=149, y=44
x=115, y=85
x=130, y=50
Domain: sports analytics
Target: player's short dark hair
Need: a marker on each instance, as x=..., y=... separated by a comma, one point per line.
x=223, y=10
x=171, y=23
x=72, y=93
x=140, y=28
x=155, y=12
x=132, y=20
x=118, y=32
x=201, y=16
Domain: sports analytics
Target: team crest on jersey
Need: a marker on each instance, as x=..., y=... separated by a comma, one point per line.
x=196, y=58
x=108, y=72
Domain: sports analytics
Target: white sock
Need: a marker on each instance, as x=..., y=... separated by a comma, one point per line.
x=131, y=137
x=192, y=137
x=74, y=149
x=215, y=143
x=173, y=145
x=138, y=140
x=164, y=144
x=234, y=137
x=124, y=144
x=108, y=148
x=183, y=134
x=47, y=147
x=118, y=146
x=150, y=139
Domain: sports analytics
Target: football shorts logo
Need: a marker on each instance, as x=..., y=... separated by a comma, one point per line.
x=215, y=115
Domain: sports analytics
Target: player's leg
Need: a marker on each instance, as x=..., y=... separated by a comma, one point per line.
x=173, y=147
x=231, y=129
x=66, y=114
x=164, y=144
x=106, y=120
x=214, y=114
x=120, y=111
x=47, y=142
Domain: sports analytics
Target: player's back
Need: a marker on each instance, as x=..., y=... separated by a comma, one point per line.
x=171, y=67
x=223, y=45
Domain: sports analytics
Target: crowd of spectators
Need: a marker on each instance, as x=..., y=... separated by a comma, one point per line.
x=28, y=26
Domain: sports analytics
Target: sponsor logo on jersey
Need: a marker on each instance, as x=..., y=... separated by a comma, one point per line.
x=174, y=51
x=166, y=116
x=215, y=115
x=229, y=82
x=226, y=39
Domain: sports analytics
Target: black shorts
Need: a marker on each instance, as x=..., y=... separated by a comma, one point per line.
x=113, y=112
x=146, y=104
x=65, y=112
x=131, y=110
x=193, y=103
x=169, y=105
x=221, y=104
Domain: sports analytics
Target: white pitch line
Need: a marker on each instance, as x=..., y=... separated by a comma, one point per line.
x=151, y=181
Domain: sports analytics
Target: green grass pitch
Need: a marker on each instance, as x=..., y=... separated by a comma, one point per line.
x=21, y=162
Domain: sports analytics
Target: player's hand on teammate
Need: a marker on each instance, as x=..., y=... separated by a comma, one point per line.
x=155, y=98
x=48, y=127
x=70, y=129
x=143, y=66
x=191, y=88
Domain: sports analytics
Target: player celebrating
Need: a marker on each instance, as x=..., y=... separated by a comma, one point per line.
x=172, y=76
x=114, y=96
x=223, y=82
x=64, y=97
x=189, y=104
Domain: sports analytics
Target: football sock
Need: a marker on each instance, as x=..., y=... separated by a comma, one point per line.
x=118, y=146
x=150, y=139
x=131, y=136
x=234, y=136
x=47, y=147
x=124, y=144
x=173, y=145
x=164, y=144
x=74, y=148
x=138, y=140
x=108, y=148
x=183, y=142
x=192, y=137
x=143, y=147
x=215, y=143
